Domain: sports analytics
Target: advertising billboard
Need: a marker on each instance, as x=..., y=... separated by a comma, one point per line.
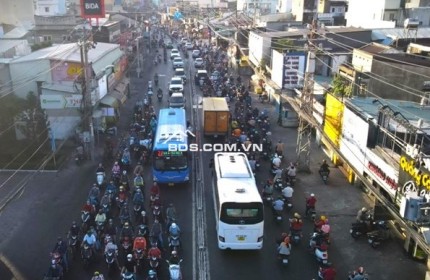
x=64, y=71
x=333, y=119
x=294, y=70
x=353, y=143
x=413, y=177
x=93, y=8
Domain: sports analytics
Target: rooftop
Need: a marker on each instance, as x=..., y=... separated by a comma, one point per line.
x=412, y=111
x=399, y=33
x=68, y=52
x=375, y=48
x=6, y=45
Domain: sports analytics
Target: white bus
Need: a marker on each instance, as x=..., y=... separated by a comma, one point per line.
x=238, y=204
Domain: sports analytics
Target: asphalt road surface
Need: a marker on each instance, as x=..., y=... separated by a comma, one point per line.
x=49, y=202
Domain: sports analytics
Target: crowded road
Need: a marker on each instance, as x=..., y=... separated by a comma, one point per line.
x=51, y=201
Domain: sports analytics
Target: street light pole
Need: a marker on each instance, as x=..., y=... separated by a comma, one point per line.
x=138, y=70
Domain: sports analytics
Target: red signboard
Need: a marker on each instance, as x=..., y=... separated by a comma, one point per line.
x=93, y=8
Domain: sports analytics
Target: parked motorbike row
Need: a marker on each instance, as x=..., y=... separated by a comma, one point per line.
x=376, y=232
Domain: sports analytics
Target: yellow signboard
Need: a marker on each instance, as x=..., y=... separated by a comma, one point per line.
x=333, y=119
x=244, y=61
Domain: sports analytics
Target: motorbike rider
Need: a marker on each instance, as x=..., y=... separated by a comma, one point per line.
x=124, y=213
x=357, y=274
x=139, y=244
x=278, y=205
x=159, y=93
x=276, y=162
x=324, y=168
x=291, y=171
x=154, y=252
x=278, y=174
x=143, y=219
x=252, y=163
x=98, y=276
x=284, y=249
x=138, y=181
x=174, y=230
x=91, y=240
x=157, y=232
x=310, y=204
x=55, y=270
x=174, y=258
x=94, y=194
x=279, y=148
x=111, y=187
x=362, y=215
x=138, y=197
x=116, y=169
x=122, y=195
x=268, y=188
x=296, y=224
x=61, y=248
x=154, y=192
x=287, y=193
x=110, y=229
x=327, y=273
x=110, y=246
x=170, y=215
x=156, y=79
x=129, y=265
x=74, y=230
x=88, y=207
x=126, y=231
x=100, y=218
x=319, y=224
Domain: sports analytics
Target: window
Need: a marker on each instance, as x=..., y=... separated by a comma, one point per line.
x=391, y=16
x=47, y=38
x=333, y=9
x=46, y=9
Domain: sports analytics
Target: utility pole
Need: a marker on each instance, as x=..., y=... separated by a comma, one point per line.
x=304, y=136
x=87, y=117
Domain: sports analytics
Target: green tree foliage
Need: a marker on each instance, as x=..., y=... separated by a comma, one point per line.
x=341, y=87
x=11, y=106
x=283, y=44
x=42, y=45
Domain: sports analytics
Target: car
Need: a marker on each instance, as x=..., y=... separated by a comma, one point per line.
x=174, y=53
x=184, y=40
x=177, y=100
x=189, y=46
x=169, y=45
x=180, y=72
x=176, y=85
x=178, y=63
x=199, y=63
x=175, y=33
x=195, y=53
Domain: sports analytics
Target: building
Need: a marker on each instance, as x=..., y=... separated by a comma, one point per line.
x=255, y=10
x=386, y=13
x=386, y=72
x=54, y=74
x=332, y=12
x=55, y=29
x=50, y=7
x=332, y=42
x=14, y=48
x=284, y=6
x=304, y=10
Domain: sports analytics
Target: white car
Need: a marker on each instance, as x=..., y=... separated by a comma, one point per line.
x=198, y=63
x=195, y=53
x=174, y=53
x=177, y=100
x=176, y=85
x=178, y=63
x=189, y=46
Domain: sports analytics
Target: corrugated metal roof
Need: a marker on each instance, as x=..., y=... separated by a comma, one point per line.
x=399, y=33
x=6, y=45
x=68, y=52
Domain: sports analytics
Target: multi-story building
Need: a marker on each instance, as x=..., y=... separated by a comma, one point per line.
x=256, y=8
x=332, y=12
x=304, y=10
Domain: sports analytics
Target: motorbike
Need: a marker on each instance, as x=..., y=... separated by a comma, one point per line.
x=295, y=237
x=128, y=276
x=174, y=242
x=79, y=155
x=160, y=96
x=312, y=214
x=288, y=203
x=100, y=226
x=156, y=212
x=100, y=178
x=126, y=244
x=360, y=228
x=376, y=237
x=268, y=199
x=105, y=208
x=285, y=259
x=154, y=263
x=324, y=176
x=86, y=254
x=278, y=184
x=85, y=218
x=139, y=254
x=319, y=248
x=110, y=257
x=73, y=244
x=137, y=208
x=175, y=270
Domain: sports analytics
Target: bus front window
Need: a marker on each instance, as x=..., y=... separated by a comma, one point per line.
x=168, y=161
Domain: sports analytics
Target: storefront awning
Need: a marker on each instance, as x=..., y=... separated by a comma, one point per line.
x=110, y=101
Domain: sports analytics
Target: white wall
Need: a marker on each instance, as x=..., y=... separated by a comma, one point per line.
x=284, y=6
x=255, y=45
x=17, y=12
x=25, y=74
x=362, y=61
x=50, y=7
x=277, y=67
x=368, y=14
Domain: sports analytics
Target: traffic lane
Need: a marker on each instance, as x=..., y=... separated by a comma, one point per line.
x=31, y=223
x=262, y=263
x=11, y=183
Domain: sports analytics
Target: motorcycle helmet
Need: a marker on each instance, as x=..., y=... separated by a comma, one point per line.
x=323, y=218
x=96, y=273
x=152, y=273
x=110, y=221
x=174, y=253
x=138, y=190
x=173, y=225
x=312, y=195
x=121, y=188
x=296, y=215
x=361, y=270
x=126, y=224
x=143, y=213
x=74, y=224
x=129, y=257
x=363, y=209
x=124, y=172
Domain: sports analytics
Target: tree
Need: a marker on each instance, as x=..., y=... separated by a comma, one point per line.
x=282, y=44
x=341, y=87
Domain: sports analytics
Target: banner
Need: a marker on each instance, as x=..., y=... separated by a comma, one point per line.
x=93, y=8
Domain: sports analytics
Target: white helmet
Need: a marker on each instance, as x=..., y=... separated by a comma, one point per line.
x=173, y=225
x=129, y=257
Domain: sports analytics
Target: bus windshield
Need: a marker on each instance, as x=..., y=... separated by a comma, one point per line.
x=168, y=161
x=241, y=213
